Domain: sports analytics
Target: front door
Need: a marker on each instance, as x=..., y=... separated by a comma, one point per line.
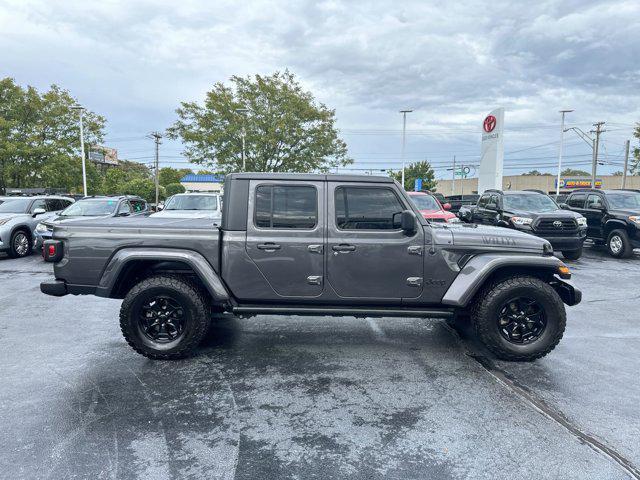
x=368, y=256
x=285, y=236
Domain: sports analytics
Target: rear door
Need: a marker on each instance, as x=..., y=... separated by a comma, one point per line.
x=480, y=210
x=594, y=211
x=368, y=255
x=285, y=235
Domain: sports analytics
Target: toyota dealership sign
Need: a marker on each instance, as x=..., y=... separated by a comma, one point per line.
x=492, y=156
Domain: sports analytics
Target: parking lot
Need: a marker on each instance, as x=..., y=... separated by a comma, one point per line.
x=278, y=397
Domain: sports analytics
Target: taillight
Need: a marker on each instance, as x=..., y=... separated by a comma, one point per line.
x=52, y=250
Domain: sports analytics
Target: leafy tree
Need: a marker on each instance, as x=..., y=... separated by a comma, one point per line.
x=134, y=169
x=39, y=138
x=634, y=169
x=144, y=188
x=286, y=129
x=170, y=175
x=571, y=172
x=536, y=172
x=114, y=181
x=617, y=174
x=414, y=171
x=174, y=188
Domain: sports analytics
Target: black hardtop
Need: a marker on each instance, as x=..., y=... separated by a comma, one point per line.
x=311, y=177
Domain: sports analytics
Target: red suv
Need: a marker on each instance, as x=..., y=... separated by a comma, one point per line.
x=431, y=208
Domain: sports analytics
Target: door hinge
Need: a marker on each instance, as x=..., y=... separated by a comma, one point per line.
x=414, y=250
x=414, y=281
x=314, y=279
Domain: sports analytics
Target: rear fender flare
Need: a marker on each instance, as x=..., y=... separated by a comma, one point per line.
x=476, y=271
x=196, y=261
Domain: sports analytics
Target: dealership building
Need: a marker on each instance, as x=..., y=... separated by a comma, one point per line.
x=546, y=183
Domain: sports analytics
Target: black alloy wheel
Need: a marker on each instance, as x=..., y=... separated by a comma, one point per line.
x=521, y=320
x=162, y=319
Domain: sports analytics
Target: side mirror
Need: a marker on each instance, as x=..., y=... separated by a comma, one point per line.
x=564, y=206
x=124, y=214
x=408, y=221
x=447, y=206
x=38, y=211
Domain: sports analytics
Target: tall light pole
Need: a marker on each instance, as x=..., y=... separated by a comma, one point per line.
x=80, y=109
x=404, y=137
x=563, y=112
x=243, y=135
x=156, y=136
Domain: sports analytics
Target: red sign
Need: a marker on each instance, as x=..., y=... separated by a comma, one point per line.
x=489, y=123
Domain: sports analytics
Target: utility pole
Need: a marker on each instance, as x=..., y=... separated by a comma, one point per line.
x=404, y=135
x=596, y=146
x=156, y=137
x=80, y=109
x=243, y=135
x=626, y=164
x=563, y=112
x=453, y=179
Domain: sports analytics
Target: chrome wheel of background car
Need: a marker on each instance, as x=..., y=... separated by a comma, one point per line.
x=162, y=319
x=21, y=244
x=616, y=244
x=521, y=320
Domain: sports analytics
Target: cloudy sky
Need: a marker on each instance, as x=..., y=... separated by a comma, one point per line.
x=451, y=62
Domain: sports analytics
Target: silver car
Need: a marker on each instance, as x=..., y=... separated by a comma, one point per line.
x=19, y=217
x=192, y=205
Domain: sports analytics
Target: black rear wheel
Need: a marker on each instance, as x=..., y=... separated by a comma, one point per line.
x=519, y=318
x=165, y=317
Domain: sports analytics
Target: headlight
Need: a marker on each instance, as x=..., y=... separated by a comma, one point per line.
x=636, y=220
x=453, y=220
x=41, y=228
x=521, y=220
x=582, y=222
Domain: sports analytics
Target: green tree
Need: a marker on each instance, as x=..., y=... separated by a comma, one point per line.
x=169, y=175
x=572, y=172
x=634, y=169
x=287, y=130
x=145, y=188
x=174, y=188
x=414, y=171
x=39, y=138
x=537, y=172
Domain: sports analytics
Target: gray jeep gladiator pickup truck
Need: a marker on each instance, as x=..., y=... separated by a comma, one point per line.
x=313, y=244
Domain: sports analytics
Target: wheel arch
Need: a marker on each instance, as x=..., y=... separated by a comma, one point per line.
x=614, y=224
x=128, y=266
x=483, y=269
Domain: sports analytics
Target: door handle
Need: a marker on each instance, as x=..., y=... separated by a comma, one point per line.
x=343, y=247
x=315, y=248
x=269, y=247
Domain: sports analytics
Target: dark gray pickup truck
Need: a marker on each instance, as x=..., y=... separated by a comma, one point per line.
x=303, y=244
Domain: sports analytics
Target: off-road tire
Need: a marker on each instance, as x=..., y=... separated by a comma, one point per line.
x=626, y=250
x=13, y=251
x=485, y=311
x=572, y=254
x=190, y=296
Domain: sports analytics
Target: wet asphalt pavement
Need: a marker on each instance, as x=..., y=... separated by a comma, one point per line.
x=293, y=397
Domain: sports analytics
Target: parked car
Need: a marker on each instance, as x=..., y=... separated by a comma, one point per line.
x=192, y=205
x=613, y=218
x=312, y=244
x=91, y=208
x=531, y=212
x=19, y=217
x=561, y=198
x=457, y=201
x=431, y=209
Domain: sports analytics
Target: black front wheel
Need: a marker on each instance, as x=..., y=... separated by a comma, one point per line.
x=165, y=317
x=572, y=254
x=519, y=318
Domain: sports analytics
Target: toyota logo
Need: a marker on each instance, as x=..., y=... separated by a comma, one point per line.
x=489, y=123
x=557, y=224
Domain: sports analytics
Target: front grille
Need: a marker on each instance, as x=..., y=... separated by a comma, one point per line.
x=550, y=225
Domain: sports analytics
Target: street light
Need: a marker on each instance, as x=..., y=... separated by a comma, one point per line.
x=404, y=134
x=243, y=134
x=563, y=112
x=80, y=109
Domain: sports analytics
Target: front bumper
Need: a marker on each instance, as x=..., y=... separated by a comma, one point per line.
x=55, y=288
x=567, y=241
x=569, y=294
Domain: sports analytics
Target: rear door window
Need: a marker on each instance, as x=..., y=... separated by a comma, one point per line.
x=286, y=206
x=366, y=208
x=53, y=204
x=576, y=201
x=594, y=202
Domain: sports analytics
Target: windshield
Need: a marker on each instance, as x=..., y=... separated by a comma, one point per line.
x=425, y=202
x=623, y=200
x=192, y=202
x=91, y=208
x=15, y=206
x=529, y=203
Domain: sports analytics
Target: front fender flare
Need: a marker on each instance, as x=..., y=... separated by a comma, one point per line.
x=196, y=261
x=477, y=270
